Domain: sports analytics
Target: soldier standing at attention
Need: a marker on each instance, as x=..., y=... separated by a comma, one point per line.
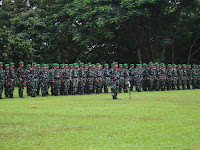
x=2, y=79
x=162, y=77
x=106, y=75
x=174, y=77
x=145, y=77
x=185, y=77
x=98, y=78
x=57, y=79
x=38, y=79
x=62, y=67
x=139, y=77
x=194, y=76
x=11, y=80
x=115, y=77
x=198, y=77
x=121, y=81
x=44, y=80
x=169, y=76
x=152, y=76
x=131, y=75
x=21, y=78
x=91, y=74
x=189, y=74
x=75, y=78
x=27, y=74
x=126, y=78
x=82, y=78
x=179, y=77
x=7, y=82
x=66, y=79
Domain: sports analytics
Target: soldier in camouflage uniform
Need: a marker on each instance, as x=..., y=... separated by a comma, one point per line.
x=162, y=77
x=156, y=79
x=152, y=76
x=115, y=77
x=106, y=76
x=27, y=74
x=185, y=77
x=126, y=78
x=121, y=81
x=98, y=78
x=82, y=78
x=75, y=78
x=138, y=77
x=131, y=76
x=21, y=78
x=174, y=77
x=51, y=78
x=62, y=68
x=2, y=79
x=145, y=77
x=37, y=76
x=169, y=77
x=91, y=75
x=66, y=78
x=189, y=76
x=198, y=76
x=194, y=76
x=57, y=80
x=179, y=77
x=44, y=75
x=86, y=88
x=10, y=80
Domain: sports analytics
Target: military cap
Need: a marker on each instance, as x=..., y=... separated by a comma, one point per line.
x=21, y=62
x=138, y=65
x=156, y=63
x=173, y=65
x=188, y=65
x=131, y=65
x=70, y=65
x=125, y=65
x=93, y=65
x=29, y=65
x=81, y=64
x=184, y=64
x=38, y=65
x=98, y=64
x=169, y=65
x=115, y=63
x=34, y=63
x=12, y=63
x=150, y=63
x=85, y=65
x=89, y=63
x=6, y=65
x=198, y=66
x=105, y=65
x=120, y=65
x=1, y=63
x=42, y=65
x=61, y=65
x=66, y=65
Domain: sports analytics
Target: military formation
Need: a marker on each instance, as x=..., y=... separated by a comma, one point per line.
x=80, y=78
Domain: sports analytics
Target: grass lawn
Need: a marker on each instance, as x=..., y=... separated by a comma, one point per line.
x=150, y=120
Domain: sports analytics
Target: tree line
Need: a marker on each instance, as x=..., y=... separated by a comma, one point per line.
x=127, y=31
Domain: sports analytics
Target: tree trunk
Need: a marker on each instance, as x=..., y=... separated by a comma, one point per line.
x=139, y=56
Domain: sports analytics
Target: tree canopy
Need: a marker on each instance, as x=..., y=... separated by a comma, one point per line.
x=128, y=31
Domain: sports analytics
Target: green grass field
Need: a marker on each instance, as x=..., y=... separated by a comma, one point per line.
x=150, y=120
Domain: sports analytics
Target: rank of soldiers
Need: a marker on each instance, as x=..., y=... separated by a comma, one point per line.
x=73, y=79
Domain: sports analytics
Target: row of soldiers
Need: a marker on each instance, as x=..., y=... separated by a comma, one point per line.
x=89, y=78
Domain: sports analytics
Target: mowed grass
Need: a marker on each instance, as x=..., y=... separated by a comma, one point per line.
x=150, y=120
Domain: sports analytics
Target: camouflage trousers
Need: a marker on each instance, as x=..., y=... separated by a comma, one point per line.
x=98, y=84
x=145, y=84
x=188, y=83
x=156, y=84
x=179, y=83
x=106, y=84
x=56, y=86
x=33, y=89
x=75, y=85
x=65, y=86
x=126, y=84
x=194, y=83
x=138, y=84
x=21, y=87
x=184, y=82
x=162, y=83
x=91, y=84
x=9, y=88
x=82, y=85
x=44, y=86
x=169, y=83
x=114, y=87
x=1, y=87
x=28, y=89
x=174, y=83
x=121, y=84
x=151, y=83
x=132, y=82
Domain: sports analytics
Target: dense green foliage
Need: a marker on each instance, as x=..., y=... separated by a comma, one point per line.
x=150, y=120
x=129, y=31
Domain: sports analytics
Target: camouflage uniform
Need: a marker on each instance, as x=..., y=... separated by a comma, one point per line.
x=106, y=82
x=121, y=81
x=162, y=78
x=32, y=79
x=75, y=80
x=98, y=80
x=115, y=78
x=66, y=80
x=126, y=80
x=82, y=83
x=179, y=78
x=44, y=81
x=2, y=81
x=139, y=78
x=184, y=79
x=131, y=77
x=169, y=78
x=21, y=77
x=57, y=81
x=194, y=77
x=189, y=74
x=174, y=78
x=152, y=76
x=28, y=87
x=91, y=74
x=145, y=79
x=51, y=79
x=10, y=79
